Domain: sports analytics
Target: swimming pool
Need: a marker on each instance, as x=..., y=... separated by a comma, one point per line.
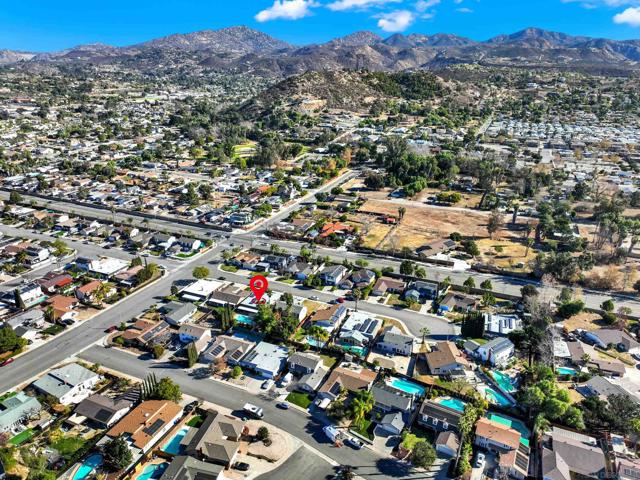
x=172, y=447
x=407, y=386
x=244, y=319
x=566, y=371
x=360, y=351
x=504, y=381
x=88, y=466
x=452, y=403
x=496, y=397
x=153, y=471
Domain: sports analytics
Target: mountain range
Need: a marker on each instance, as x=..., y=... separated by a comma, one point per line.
x=242, y=49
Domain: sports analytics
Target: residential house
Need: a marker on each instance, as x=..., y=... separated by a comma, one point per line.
x=513, y=456
x=146, y=424
x=199, y=291
x=447, y=444
x=129, y=277
x=246, y=260
x=333, y=274
x=436, y=248
x=423, y=290
x=163, y=241
x=188, y=244
x=265, y=359
x=362, y=278
x=496, y=352
x=184, y=467
x=392, y=340
x=303, y=363
x=217, y=440
x=438, y=416
x=54, y=281
x=146, y=333
x=391, y=423
x=102, y=267
x=359, y=329
x=501, y=324
x=329, y=317
x=103, y=411
x=69, y=384
x=386, y=285
x=88, y=293
x=229, y=349
x=567, y=455
x=230, y=294
x=350, y=377
x=388, y=399
x=194, y=333
x=335, y=228
x=16, y=410
x=301, y=270
x=603, y=388
x=620, y=339
x=457, y=302
x=445, y=359
x=30, y=294
x=63, y=306
x=177, y=313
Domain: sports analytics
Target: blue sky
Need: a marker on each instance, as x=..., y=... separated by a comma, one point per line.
x=46, y=25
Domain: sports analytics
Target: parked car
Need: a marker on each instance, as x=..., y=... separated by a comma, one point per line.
x=283, y=405
x=341, y=300
x=354, y=443
x=480, y=460
x=314, y=297
x=190, y=407
x=68, y=322
x=111, y=329
x=267, y=384
x=7, y=362
x=242, y=466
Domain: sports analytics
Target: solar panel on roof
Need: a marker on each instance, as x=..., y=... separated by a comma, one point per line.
x=153, y=428
x=217, y=351
x=236, y=355
x=103, y=415
x=252, y=356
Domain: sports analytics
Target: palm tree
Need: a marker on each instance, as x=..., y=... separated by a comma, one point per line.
x=540, y=425
x=357, y=295
x=425, y=332
x=361, y=405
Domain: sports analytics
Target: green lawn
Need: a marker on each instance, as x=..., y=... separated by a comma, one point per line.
x=480, y=341
x=289, y=281
x=67, y=446
x=328, y=361
x=195, y=421
x=229, y=268
x=300, y=399
x=7, y=395
x=22, y=437
x=53, y=329
x=366, y=429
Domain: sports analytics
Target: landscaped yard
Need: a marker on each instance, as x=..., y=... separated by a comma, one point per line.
x=195, y=421
x=53, y=330
x=300, y=399
x=328, y=361
x=22, y=437
x=229, y=268
x=365, y=428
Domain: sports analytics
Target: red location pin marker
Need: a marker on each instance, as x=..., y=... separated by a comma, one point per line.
x=258, y=285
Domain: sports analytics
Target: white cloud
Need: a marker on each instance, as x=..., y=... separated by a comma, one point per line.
x=631, y=16
x=396, y=21
x=286, y=9
x=603, y=3
x=464, y=10
x=424, y=5
x=341, y=5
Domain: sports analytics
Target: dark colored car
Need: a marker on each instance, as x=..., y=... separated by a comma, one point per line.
x=354, y=443
x=283, y=405
x=242, y=466
x=191, y=406
x=340, y=300
x=111, y=329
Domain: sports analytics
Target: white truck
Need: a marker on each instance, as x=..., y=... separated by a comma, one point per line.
x=252, y=410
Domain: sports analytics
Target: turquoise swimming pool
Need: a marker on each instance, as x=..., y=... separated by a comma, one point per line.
x=504, y=381
x=407, y=386
x=496, y=397
x=172, y=447
x=153, y=471
x=88, y=466
x=566, y=371
x=452, y=403
x=244, y=320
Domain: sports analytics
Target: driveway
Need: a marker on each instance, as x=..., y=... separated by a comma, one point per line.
x=303, y=464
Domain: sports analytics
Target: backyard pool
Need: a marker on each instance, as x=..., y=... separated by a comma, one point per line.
x=496, y=397
x=153, y=471
x=360, y=351
x=88, y=467
x=504, y=381
x=406, y=386
x=452, y=403
x=244, y=320
x=566, y=371
x=172, y=447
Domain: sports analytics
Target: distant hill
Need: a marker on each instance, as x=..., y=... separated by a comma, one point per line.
x=244, y=50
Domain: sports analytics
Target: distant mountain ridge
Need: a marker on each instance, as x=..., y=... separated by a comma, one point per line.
x=242, y=49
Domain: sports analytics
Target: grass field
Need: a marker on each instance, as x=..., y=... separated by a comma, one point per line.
x=22, y=437
x=300, y=399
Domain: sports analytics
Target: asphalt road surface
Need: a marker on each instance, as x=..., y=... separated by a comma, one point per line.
x=366, y=462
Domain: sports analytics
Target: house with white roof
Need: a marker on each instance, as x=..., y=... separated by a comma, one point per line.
x=69, y=384
x=265, y=359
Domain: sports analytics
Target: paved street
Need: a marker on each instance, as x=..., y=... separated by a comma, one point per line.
x=302, y=465
x=366, y=462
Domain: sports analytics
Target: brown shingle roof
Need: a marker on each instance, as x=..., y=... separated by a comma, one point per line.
x=352, y=380
x=138, y=423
